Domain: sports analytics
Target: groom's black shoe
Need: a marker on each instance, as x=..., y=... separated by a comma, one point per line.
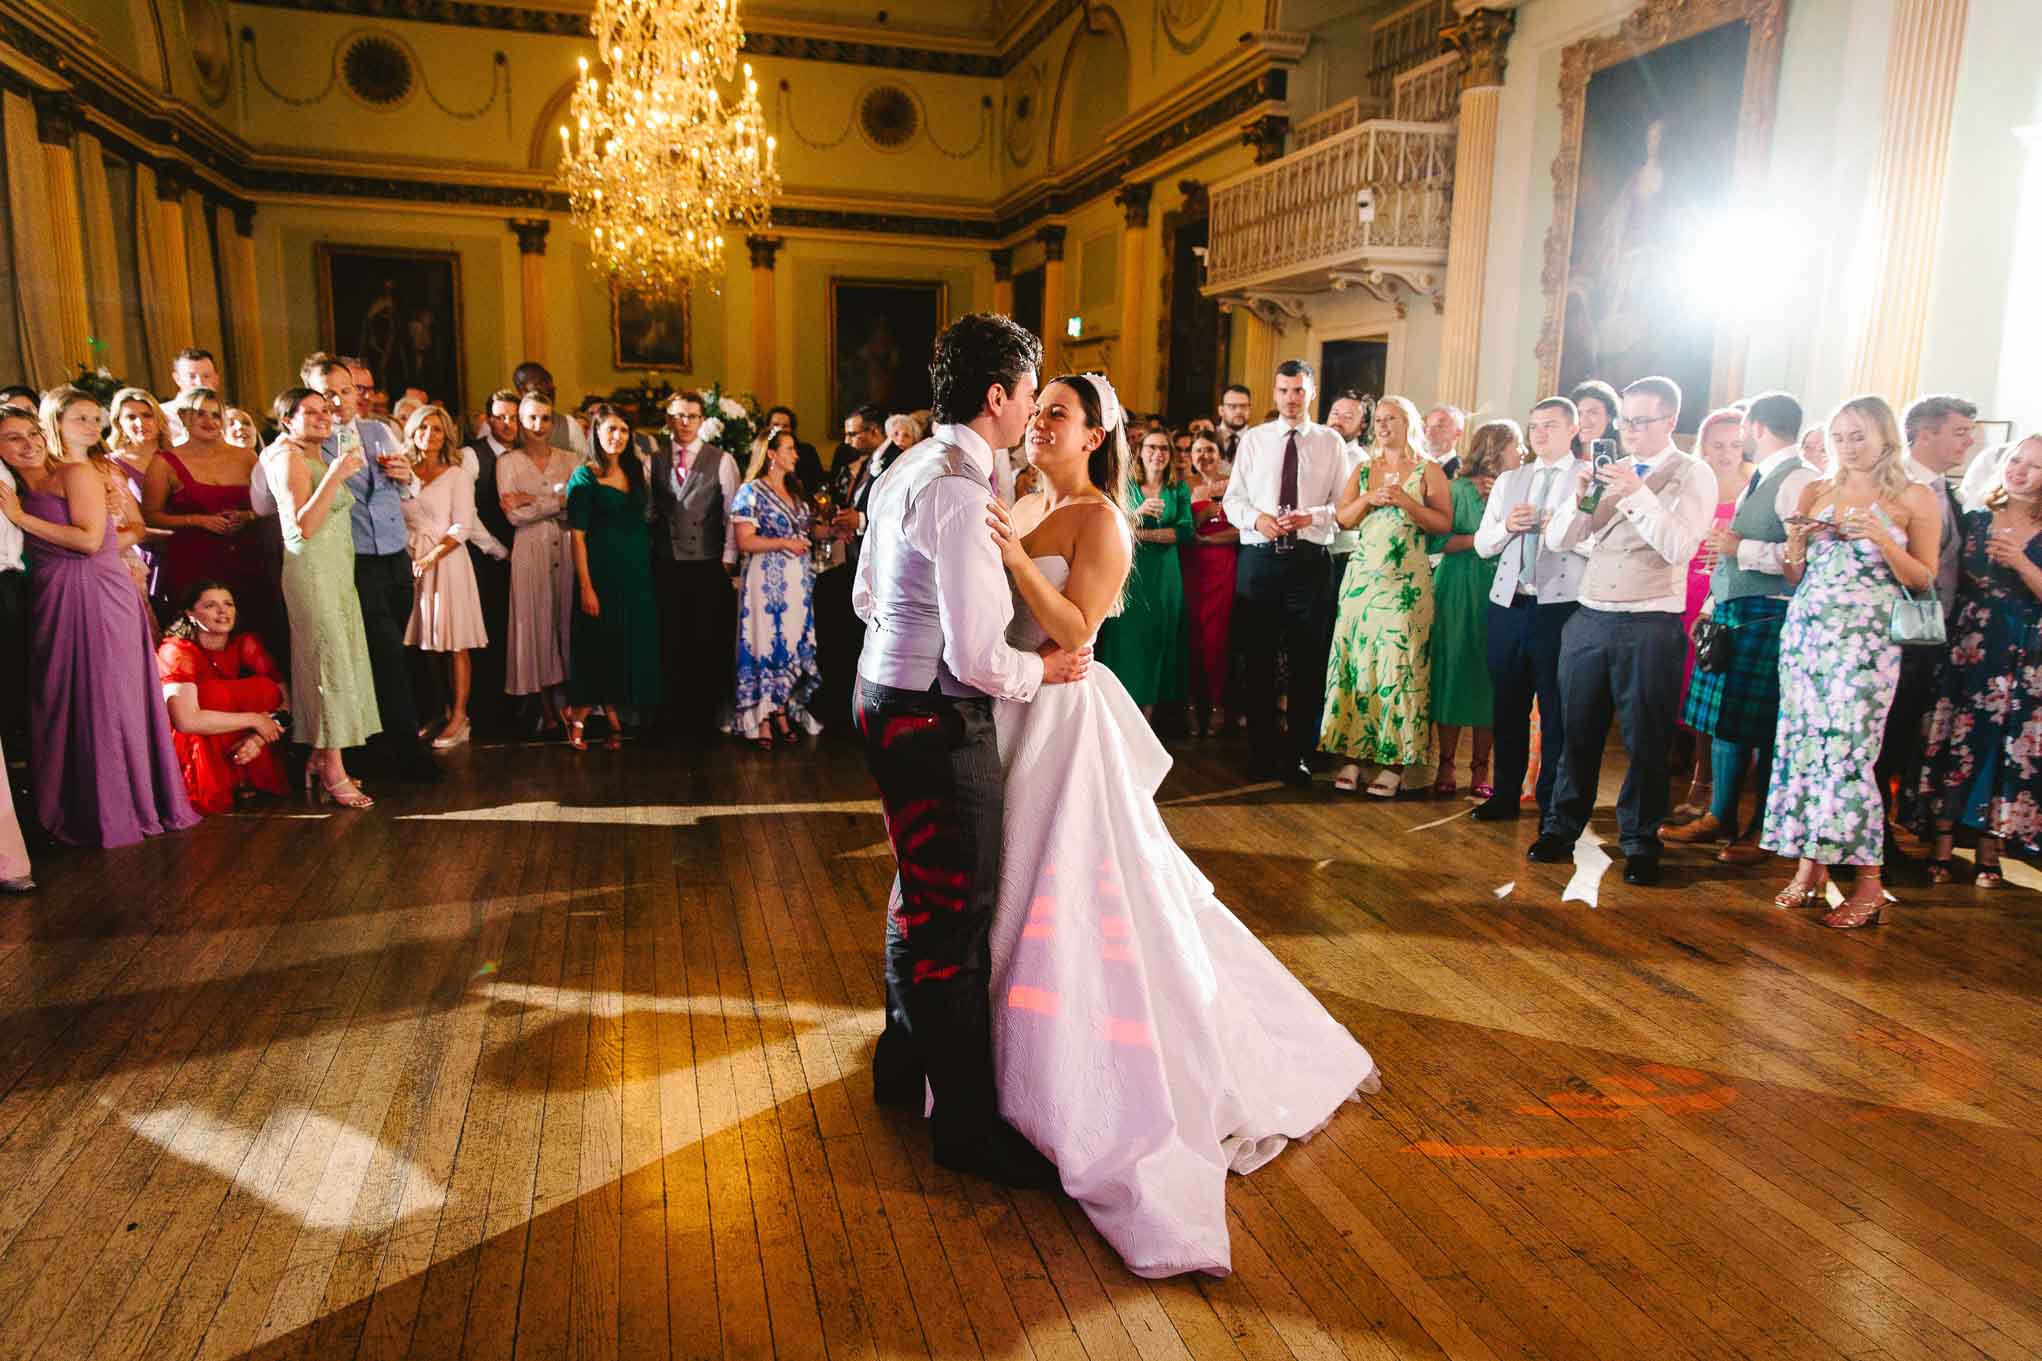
x=998, y=1153
x=1550, y=849
x=1500, y=808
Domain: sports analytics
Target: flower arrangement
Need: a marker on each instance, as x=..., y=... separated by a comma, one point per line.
x=732, y=424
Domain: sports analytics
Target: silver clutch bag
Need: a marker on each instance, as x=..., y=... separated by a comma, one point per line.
x=1917, y=620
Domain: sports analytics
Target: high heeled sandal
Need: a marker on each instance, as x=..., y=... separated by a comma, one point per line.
x=574, y=734
x=1349, y=778
x=1801, y=895
x=1445, y=788
x=1988, y=876
x=1386, y=785
x=347, y=794
x=1855, y=913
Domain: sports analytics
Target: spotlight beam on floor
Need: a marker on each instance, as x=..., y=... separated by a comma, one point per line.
x=639, y=815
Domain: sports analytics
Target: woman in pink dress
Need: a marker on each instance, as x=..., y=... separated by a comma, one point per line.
x=446, y=609
x=1208, y=562
x=531, y=484
x=1720, y=444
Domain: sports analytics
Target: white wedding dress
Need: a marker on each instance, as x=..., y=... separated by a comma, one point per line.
x=1144, y=1040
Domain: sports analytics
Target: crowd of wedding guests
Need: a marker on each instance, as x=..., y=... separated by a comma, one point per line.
x=1842, y=619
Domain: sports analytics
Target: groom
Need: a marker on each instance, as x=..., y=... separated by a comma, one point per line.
x=936, y=606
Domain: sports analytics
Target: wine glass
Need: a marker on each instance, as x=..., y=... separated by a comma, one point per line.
x=825, y=550
x=1287, y=541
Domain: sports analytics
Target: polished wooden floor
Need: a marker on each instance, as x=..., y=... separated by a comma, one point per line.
x=567, y=1058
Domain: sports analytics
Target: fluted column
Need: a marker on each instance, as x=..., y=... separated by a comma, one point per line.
x=1914, y=153
x=205, y=280
x=102, y=258
x=1134, y=358
x=1052, y=239
x=175, y=280
x=531, y=234
x=1480, y=38
x=1258, y=360
x=56, y=126
x=765, y=344
x=244, y=350
x=1003, y=281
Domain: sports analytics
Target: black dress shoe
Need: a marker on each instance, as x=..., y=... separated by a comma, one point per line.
x=1642, y=870
x=1298, y=774
x=1501, y=808
x=1550, y=849
x=999, y=1154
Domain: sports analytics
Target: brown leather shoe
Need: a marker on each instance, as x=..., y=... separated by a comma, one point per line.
x=1703, y=828
x=1743, y=853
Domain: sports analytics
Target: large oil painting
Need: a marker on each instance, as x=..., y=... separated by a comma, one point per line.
x=399, y=311
x=882, y=333
x=649, y=333
x=1664, y=129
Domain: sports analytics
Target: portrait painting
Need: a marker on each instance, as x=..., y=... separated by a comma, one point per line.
x=649, y=333
x=397, y=310
x=881, y=335
x=1660, y=141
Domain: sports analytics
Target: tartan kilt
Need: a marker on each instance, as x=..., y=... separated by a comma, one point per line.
x=1741, y=703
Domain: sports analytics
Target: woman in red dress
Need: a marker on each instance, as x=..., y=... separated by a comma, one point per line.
x=222, y=689
x=1208, y=562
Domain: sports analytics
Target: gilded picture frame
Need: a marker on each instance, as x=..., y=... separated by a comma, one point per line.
x=397, y=309
x=881, y=335
x=1652, y=28
x=651, y=334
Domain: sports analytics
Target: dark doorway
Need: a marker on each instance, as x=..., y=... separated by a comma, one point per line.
x=1357, y=364
x=1028, y=299
x=1197, y=329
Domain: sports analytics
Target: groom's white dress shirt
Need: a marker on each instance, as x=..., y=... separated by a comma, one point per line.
x=943, y=519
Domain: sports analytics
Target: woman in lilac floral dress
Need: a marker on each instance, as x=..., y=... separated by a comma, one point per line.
x=1982, y=765
x=1852, y=544
x=776, y=669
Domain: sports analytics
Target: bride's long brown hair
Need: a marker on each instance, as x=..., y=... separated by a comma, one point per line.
x=1108, y=465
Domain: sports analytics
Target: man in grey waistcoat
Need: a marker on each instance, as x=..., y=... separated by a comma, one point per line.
x=936, y=606
x=693, y=558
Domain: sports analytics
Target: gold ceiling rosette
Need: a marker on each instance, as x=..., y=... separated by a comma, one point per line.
x=656, y=164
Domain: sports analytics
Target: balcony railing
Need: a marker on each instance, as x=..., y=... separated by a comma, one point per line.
x=1348, y=113
x=1430, y=93
x=1294, y=222
x=1400, y=41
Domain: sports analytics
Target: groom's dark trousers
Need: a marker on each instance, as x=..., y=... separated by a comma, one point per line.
x=937, y=763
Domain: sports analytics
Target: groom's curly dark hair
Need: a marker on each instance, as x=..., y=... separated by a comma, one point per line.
x=973, y=353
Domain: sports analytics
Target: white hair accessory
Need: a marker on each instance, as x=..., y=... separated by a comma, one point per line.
x=1109, y=400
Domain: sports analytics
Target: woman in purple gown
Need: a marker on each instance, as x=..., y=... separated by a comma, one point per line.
x=106, y=772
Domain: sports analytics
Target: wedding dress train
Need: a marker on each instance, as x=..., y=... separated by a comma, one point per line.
x=1144, y=1040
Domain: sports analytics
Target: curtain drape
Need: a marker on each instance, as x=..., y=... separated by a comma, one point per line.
x=205, y=281
x=102, y=260
x=237, y=261
x=44, y=352
x=161, y=334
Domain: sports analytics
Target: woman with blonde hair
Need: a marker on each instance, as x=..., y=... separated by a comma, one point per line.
x=440, y=521
x=137, y=431
x=74, y=427
x=1856, y=544
x=531, y=485
x=198, y=494
x=1462, y=695
x=1379, y=675
x=904, y=432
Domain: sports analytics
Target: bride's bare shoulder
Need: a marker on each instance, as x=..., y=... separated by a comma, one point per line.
x=1099, y=527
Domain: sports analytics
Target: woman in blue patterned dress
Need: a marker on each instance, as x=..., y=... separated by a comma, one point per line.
x=1982, y=765
x=1853, y=543
x=776, y=670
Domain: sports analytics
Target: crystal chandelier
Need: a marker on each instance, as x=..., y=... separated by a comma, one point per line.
x=658, y=166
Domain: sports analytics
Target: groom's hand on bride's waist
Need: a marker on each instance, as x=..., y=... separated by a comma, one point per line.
x=1060, y=667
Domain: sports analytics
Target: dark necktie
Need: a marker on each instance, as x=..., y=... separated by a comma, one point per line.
x=1287, y=484
x=1750, y=486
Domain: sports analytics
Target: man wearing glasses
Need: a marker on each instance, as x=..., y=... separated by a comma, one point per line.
x=1621, y=652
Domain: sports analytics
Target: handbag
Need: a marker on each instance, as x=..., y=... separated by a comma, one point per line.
x=1917, y=620
x=1712, y=644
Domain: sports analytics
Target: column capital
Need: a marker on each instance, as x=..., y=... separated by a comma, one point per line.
x=244, y=218
x=1052, y=239
x=531, y=234
x=1266, y=134
x=1133, y=198
x=56, y=117
x=1003, y=265
x=764, y=249
x=170, y=180
x=1481, y=37
x=1197, y=198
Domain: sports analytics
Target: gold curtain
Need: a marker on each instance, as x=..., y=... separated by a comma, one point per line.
x=161, y=336
x=44, y=353
x=67, y=234
x=237, y=260
x=205, y=282
x=102, y=260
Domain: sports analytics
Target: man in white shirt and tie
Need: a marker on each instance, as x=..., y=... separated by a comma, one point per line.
x=1534, y=594
x=1621, y=654
x=1287, y=476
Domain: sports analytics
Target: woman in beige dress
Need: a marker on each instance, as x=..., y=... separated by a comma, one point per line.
x=531, y=483
x=446, y=607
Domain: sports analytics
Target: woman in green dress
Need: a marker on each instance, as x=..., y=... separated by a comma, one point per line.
x=1144, y=644
x=1379, y=675
x=1461, y=694
x=613, y=643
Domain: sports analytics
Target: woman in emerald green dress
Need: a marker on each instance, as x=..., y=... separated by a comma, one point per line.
x=613, y=643
x=1461, y=694
x=1379, y=675
x=1144, y=644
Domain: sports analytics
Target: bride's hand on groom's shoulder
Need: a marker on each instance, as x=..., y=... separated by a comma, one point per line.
x=1061, y=667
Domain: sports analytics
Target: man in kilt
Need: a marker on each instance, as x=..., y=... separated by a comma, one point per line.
x=1738, y=706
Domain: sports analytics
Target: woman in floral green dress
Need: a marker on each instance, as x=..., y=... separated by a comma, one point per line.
x=1379, y=676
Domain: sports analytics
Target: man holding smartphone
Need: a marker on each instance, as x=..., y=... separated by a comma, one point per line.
x=1623, y=650
x=1534, y=594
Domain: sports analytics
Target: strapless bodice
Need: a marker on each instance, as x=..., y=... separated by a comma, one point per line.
x=1025, y=634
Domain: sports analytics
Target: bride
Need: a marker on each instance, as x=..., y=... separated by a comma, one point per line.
x=1144, y=1040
